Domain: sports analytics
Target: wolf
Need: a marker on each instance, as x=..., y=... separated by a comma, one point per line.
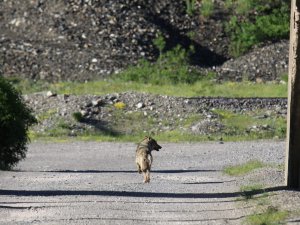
x=143, y=157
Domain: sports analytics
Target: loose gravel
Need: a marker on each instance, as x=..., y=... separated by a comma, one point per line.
x=100, y=111
x=96, y=183
x=89, y=40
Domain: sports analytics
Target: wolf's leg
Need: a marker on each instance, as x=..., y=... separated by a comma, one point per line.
x=150, y=161
x=147, y=176
x=138, y=168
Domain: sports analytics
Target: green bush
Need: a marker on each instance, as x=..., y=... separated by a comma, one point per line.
x=78, y=116
x=256, y=21
x=190, y=7
x=15, y=119
x=171, y=67
x=207, y=8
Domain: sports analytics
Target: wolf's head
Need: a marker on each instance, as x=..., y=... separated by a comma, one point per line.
x=152, y=144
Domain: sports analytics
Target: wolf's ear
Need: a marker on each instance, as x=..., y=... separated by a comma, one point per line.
x=147, y=137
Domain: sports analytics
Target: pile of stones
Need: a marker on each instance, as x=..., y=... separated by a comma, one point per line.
x=99, y=111
x=81, y=40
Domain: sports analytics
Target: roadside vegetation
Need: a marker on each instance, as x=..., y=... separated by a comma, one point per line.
x=130, y=126
x=255, y=22
x=250, y=23
x=244, y=169
x=264, y=210
x=15, y=120
x=257, y=196
x=204, y=87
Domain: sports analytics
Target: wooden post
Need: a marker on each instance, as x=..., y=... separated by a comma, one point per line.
x=293, y=118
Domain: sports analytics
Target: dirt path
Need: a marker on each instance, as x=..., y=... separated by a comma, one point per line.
x=97, y=183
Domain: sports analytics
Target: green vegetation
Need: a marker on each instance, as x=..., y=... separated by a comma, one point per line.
x=251, y=125
x=61, y=129
x=124, y=127
x=46, y=115
x=77, y=116
x=203, y=87
x=251, y=21
x=255, y=22
x=15, y=120
x=172, y=67
x=207, y=7
x=243, y=168
x=270, y=216
x=120, y=105
x=190, y=7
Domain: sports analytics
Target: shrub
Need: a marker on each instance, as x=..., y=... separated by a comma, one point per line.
x=190, y=7
x=207, y=8
x=171, y=67
x=119, y=105
x=78, y=116
x=256, y=22
x=15, y=119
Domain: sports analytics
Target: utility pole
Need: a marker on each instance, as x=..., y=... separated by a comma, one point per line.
x=293, y=118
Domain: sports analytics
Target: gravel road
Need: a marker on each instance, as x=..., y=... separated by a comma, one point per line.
x=97, y=183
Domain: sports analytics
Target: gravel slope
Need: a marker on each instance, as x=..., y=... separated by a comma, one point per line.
x=89, y=40
x=166, y=112
x=96, y=183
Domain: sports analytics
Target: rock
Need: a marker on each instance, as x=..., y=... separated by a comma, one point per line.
x=140, y=105
x=97, y=102
x=84, y=113
x=50, y=94
x=207, y=127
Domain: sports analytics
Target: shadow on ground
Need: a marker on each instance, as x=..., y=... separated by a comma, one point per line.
x=121, y=171
x=134, y=194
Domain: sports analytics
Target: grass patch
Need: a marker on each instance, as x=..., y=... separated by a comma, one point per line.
x=207, y=8
x=190, y=7
x=204, y=87
x=270, y=216
x=58, y=135
x=170, y=136
x=244, y=168
x=125, y=124
x=250, y=125
x=46, y=115
x=246, y=29
x=77, y=116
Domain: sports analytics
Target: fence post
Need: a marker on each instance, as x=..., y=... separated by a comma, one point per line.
x=293, y=117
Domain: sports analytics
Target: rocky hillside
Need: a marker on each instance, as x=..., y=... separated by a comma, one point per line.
x=89, y=39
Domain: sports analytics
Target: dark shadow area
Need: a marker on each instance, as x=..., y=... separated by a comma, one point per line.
x=14, y=207
x=202, y=56
x=294, y=221
x=209, y=182
x=101, y=127
x=134, y=194
x=120, y=171
x=183, y=171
